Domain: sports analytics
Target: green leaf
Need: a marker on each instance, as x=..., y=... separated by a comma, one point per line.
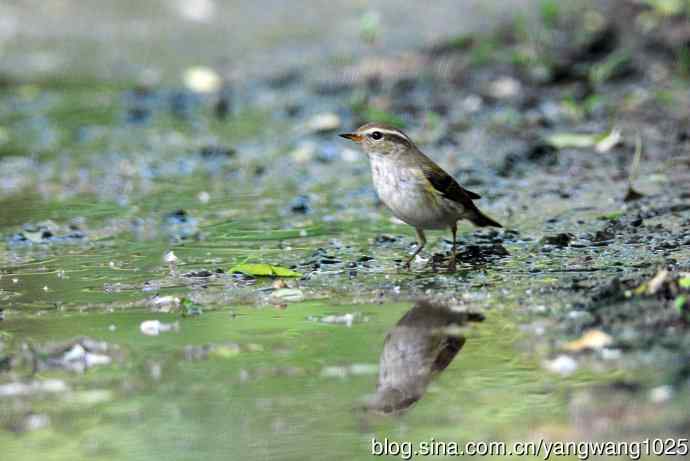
x=611, y=216
x=264, y=270
x=612, y=66
x=680, y=303
x=684, y=282
x=190, y=308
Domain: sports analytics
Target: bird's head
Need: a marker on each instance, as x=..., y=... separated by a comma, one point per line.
x=380, y=139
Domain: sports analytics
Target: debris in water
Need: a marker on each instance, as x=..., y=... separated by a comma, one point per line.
x=590, y=340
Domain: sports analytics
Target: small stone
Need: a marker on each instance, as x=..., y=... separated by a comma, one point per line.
x=202, y=80
x=560, y=240
x=505, y=88
x=611, y=354
x=155, y=327
x=204, y=197
x=278, y=284
x=300, y=204
x=661, y=394
x=324, y=122
x=563, y=365
x=165, y=303
x=45, y=386
x=304, y=152
x=36, y=421
x=292, y=295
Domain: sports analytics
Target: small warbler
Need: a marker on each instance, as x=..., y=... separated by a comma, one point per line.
x=416, y=189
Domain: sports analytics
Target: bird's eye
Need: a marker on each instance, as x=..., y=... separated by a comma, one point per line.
x=376, y=135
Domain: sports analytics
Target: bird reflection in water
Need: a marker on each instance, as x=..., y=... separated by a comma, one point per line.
x=419, y=347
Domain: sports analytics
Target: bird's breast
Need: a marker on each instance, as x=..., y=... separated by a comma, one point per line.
x=405, y=191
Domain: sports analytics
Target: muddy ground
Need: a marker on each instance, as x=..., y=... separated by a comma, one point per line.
x=575, y=129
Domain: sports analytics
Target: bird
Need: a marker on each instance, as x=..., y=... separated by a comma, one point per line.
x=417, y=349
x=415, y=189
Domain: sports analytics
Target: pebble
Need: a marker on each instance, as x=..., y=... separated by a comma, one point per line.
x=661, y=394
x=202, y=80
x=563, y=365
x=324, y=122
x=51, y=386
x=156, y=327
x=344, y=319
x=505, y=88
x=292, y=295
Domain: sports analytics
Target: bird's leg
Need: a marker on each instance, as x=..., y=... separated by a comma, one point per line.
x=451, y=264
x=421, y=241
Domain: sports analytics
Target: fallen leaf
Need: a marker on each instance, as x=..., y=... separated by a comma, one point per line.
x=572, y=140
x=590, y=340
x=609, y=141
x=601, y=142
x=264, y=270
x=657, y=282
x=225, y=351
x=684, y=282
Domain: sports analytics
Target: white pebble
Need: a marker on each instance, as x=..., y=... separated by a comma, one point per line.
x=563, y=365
x=661, y=394
x=202, y=80
x=156, y=327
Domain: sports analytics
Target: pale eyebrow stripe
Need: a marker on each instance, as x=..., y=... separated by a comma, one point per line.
x=387, y=131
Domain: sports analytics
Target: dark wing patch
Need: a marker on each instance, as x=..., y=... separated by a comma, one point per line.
x=446, y=185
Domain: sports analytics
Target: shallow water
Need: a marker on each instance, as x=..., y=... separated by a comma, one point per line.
x=287, y=393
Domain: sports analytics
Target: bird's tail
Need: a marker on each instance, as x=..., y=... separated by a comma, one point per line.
x=482, y=220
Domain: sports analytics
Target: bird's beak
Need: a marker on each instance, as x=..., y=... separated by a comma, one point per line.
x=352, y=137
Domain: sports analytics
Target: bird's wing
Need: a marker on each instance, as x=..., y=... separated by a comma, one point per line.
x=445, y=184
